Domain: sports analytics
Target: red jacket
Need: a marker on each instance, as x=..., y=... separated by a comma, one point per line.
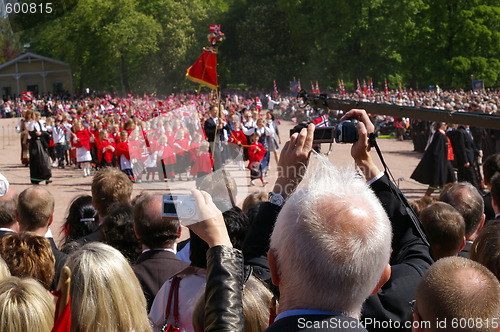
x=203, y=164
x=82, y=139
x=256, y=153
x=108, y=153
x=122, y=149
x=237, y=137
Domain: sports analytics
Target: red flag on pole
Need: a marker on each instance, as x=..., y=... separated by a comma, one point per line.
x=365, y=88
x=358, y=87
x=204, y=70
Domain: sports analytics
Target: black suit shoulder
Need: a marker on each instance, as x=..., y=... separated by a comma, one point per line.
x=153, y=268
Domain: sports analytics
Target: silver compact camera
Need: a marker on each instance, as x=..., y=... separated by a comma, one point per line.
x=182, y=207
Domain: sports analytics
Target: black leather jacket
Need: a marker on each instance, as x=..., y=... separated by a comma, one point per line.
x=224, y=289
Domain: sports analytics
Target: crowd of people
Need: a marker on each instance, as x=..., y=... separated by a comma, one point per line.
x=326, y=249
x=181, y=138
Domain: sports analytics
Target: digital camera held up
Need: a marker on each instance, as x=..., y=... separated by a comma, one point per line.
x=182, y=207
x=345, y=132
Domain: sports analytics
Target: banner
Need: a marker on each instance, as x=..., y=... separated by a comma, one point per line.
x=204, y=70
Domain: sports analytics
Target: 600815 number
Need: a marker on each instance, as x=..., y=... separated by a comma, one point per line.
x=28, y=8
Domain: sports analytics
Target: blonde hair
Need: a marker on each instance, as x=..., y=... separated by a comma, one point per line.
x=254, y=199
x=106, y=295
x=256, y=302
x=25, y=306
x=4, y=269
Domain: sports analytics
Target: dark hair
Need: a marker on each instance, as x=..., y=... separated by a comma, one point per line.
x=491, y=166
x=237, y=225
x=272, y=115
x=152, y=230
x=82, y=219
x=117, y=230
x=8, y=212
x=464, y=197
x=445, y=229
x=486, y=247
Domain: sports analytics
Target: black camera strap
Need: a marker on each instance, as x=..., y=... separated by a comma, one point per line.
x=373, y=143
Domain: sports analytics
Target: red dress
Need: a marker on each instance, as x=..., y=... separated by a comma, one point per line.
x=256, y=153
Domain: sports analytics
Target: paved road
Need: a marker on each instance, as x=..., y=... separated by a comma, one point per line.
x=69, y=182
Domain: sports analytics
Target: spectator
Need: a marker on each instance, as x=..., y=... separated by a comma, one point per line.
x=486, y=247
x=491, y=166
x=445, y=229
x=82, y=220
x=29, y=255
x=109, y=186
x=117, y=230
x=458, y=289
x=158, y=236
x=8, y=222
x=26, y=306
x=4, y=269
x=467, y=200
x=35, y=213
x=105, y=294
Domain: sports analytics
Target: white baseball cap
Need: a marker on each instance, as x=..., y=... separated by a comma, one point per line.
x=4, y=185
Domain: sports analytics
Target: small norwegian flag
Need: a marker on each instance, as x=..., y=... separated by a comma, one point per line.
x=27, y=95
x=275, y=90
x=258, y=103
x=358, y=87
x=214, y=27
x=321, y=121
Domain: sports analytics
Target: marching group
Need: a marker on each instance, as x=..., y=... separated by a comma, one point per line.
x=176, y=141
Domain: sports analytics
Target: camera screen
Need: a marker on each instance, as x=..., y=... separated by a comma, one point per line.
x=169, y=207
x=324, y=134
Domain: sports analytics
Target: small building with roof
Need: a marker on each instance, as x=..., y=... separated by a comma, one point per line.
x=35, y=73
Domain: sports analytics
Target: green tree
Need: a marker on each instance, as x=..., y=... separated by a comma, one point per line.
x=104, y=41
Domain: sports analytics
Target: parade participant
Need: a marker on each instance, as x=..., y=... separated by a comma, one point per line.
x=256, y=153
x=106, y=147
x=435, y=167
x=81, y=140
x=123, y=155
x=39, y=159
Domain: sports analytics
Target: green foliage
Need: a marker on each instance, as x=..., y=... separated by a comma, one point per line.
x=146, y=46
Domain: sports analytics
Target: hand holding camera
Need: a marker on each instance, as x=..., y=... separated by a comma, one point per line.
x=360, y=149
x=211, y=227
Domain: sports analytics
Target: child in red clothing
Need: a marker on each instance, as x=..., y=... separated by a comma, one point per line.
x=105, y=149
x=256, y=154
x=203, y=163
x=123, y=155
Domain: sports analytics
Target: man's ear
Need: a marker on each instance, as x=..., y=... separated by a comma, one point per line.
x=179, y=232
x=136, y=234
x=274, y=267
x=51, y=219
x=386, y=275
x=481, y=224
x=462, y=246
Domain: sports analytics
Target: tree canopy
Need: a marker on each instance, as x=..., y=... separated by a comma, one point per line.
x=133, y=46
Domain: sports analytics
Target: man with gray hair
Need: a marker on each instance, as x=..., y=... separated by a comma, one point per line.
x=467, y=200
